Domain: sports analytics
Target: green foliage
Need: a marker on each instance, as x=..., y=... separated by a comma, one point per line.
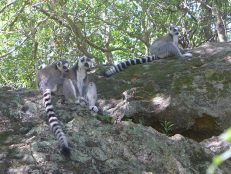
x=106, y=119
x=18, y=70
x=35, y=32
x=167, y=127
x=219, y=159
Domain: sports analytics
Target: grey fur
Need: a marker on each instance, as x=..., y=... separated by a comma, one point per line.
x=168, y=45
x=76, y=86
x=161, y=48
x=50, y=79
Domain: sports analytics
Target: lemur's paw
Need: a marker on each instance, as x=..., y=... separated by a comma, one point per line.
x=77, y=102
x=94, y=109
x=83, y=102
x=188, y=55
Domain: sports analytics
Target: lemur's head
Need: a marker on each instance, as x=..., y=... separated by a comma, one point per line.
x=173, y=30
x=86, y=62
x=62, y=65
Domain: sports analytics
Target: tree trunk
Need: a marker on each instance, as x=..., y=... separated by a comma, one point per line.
x=109, y=57
x=219, y=25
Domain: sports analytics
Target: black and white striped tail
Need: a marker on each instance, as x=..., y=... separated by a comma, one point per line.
x=54, y=123
x=123, y=65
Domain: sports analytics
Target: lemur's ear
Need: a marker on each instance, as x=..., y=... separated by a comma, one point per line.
x=93, y=60
x=58, y=63
x=171, y=26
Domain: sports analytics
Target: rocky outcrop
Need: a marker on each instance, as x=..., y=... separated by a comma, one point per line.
x=194, y=95
x=97, y=146
x=173, y=96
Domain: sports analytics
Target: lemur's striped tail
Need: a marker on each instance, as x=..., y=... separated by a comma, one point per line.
x=54, y=123
x=123, y=65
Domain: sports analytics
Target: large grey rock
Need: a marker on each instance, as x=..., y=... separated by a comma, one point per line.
x=194, y=95
x=96, y=146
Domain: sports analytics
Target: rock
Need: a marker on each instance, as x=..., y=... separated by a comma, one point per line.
x=216, y=145
x=100, y=147
x=194, y=95
x=188, y=94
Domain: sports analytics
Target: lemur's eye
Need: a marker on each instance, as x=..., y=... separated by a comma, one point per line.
x=174, y=30
x=82, y=60
x=58, y=64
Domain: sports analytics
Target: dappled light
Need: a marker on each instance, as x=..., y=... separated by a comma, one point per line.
x=121, y=87
x=228, y=59
x=161, y=102
x=22, y=169
x=177, y=137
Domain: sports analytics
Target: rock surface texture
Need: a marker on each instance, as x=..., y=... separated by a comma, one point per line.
x=193, y=95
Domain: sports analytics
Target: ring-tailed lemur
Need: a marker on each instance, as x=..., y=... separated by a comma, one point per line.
x=50, y=79
x=76, y=85
x=161, y=48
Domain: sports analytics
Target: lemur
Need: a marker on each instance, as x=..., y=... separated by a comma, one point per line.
x=49, y=80
x=76, y=86
x=161, y=48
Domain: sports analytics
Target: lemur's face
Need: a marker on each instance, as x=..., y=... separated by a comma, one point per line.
x=62, y=65
x=86, y=62
x=173, y=30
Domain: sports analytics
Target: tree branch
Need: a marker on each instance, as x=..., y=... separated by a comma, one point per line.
x=51, y=16
x=6, y=6
x=204, y=4
x=27, y=37
x=18, y=13
x=76, y=30
x=12, y=50
x=138, y=37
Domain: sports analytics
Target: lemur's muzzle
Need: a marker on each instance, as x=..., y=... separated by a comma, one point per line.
x=86, y=65
x=65, y=68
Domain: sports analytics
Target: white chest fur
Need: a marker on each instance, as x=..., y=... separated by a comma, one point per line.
x=80, y=75
x=175, y=40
